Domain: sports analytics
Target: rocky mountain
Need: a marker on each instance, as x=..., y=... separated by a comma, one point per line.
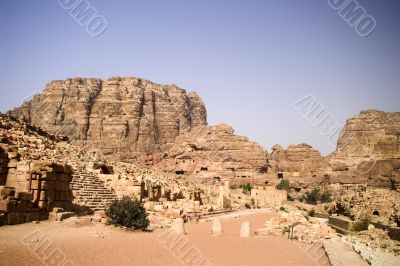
x=302, y=164
x=214, y=152
x=122, y=117
x=368, y=149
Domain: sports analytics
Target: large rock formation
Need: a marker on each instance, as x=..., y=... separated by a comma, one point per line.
x=214, y=152
x=301, y=164
x=122, y=117
x=368, y=149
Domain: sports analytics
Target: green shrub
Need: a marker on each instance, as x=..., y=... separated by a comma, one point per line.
x=315, y=195
x=361, y=225
x=326, y=196
x=129, y=213
x=246, y=189
x=247, y=206
x=283, y=185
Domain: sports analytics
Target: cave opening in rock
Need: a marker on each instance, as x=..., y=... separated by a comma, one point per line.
x=105, y=170
x=280, y=175
x=375, y=213
x=204, y=169
x=217, y=179
x=180, y=172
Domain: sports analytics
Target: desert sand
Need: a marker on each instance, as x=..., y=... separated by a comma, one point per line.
x=97, y=244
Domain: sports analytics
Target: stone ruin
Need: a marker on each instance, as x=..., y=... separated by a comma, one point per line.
x=47, y=188
x=268, y=196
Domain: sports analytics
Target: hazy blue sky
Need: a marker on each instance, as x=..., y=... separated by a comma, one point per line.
x=248, y=60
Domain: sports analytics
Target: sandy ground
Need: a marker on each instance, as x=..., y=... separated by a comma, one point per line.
x=107, y=245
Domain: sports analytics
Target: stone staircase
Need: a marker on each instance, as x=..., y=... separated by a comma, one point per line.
x=90, y=191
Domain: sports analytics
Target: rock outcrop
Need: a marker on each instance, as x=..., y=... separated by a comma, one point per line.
x=122, y=117
x=214, y=152
x=368, y=149
x=301, y=164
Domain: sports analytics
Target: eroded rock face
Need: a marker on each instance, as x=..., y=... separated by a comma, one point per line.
x=301, y=164
x=378, y=205
x=122, y=117
x=368, y=149
x=3, y=166
x=210, y=152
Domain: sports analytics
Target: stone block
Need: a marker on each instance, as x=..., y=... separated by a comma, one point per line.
x=51, y=195
x=32, y=216
x=43, y=204
x=8, y=205
x=49, y=185
x=22, y=206
x=5, y=192
x=12, y=218
x=22, y=195
x=62, y=186
x=64, y=215
x=3, y=219
x=50, y=176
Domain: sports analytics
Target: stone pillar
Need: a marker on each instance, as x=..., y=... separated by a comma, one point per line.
x=245, y=229
x=162, y=191
x=179, y=226
x=216, y=227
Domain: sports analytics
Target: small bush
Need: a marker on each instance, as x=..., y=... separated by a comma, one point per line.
x=253, y=202
x=283, y=185
x=312, y=197
x=326, y=196
x=361, y=225
x=247, y=206
x=129, y=213
x=311, y=213
x=315, y=195
x=246, y=189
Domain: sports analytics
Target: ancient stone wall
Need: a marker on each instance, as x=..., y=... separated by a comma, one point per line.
x=47, y=186
x=17, y=208
x=3, y=167
x=268, y=196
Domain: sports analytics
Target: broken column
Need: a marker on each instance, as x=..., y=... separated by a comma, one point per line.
x=216, y=227
x=245, y=229
x=179, y=226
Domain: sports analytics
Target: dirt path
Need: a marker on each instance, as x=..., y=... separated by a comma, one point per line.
x=106, y=245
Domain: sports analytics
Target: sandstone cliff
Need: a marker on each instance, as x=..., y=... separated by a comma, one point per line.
x=122, y=117
x=301, y=164
x=214, y=152
x=368, y=149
